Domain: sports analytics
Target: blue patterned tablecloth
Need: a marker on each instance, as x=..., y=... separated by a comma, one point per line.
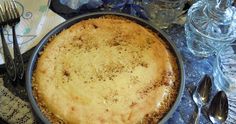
x=194, y=67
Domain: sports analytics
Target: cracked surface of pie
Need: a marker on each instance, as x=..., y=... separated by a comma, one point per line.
x=106, y=70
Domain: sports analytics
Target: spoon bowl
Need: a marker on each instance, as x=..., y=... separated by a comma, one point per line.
x=218, y=110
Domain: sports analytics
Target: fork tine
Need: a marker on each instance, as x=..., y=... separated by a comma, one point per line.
x=16, y=12
x=12, y=10
x=5, y=4
x=1, y=14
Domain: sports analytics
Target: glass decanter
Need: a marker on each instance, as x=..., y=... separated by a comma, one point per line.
x=210, y=25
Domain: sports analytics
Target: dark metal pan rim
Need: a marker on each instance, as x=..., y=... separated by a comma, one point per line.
x=74, y=20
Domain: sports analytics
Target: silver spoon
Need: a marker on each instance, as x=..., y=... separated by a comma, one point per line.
x=218, y=110
x=201, y=95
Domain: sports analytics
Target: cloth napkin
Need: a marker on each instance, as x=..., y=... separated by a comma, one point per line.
x=13, y=109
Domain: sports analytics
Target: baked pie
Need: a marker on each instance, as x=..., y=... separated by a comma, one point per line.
x=106, y=70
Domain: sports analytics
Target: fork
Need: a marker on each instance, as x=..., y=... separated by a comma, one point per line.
x=9, y=63
x=13, y=18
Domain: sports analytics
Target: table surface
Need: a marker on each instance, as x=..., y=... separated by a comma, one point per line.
x=194, y=67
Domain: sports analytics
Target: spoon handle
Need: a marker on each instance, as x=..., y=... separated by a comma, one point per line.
x=196, y=121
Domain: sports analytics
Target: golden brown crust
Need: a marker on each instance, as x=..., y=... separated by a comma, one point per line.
x=143, y=51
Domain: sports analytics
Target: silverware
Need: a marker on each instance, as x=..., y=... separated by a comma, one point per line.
x=201, y=95
x=13, y=18
x=9, y=63
x=218, y=110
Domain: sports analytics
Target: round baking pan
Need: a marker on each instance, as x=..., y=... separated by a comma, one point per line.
x=67, y=24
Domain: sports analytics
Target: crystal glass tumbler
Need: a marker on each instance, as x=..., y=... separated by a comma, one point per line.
x=225, y=70
x=163, y=12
